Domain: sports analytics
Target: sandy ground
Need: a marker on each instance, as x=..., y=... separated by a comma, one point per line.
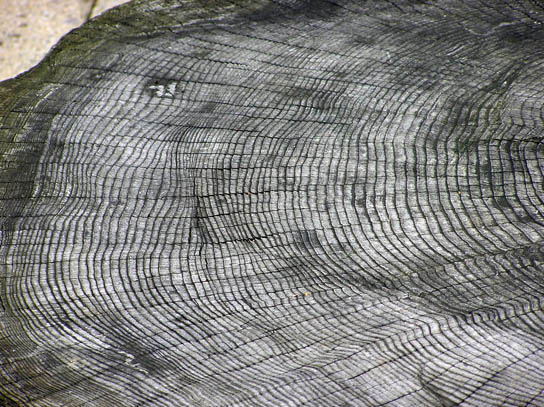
x=29, y=28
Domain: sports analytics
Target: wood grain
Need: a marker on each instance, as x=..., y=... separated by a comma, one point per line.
x=288, y=203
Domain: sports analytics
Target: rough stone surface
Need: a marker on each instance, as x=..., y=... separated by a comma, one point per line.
x=29, y=28
x=288, y=203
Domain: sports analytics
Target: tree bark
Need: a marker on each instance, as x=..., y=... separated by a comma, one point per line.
x=277, y=203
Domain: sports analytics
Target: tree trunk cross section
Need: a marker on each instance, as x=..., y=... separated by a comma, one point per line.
x=277, y=203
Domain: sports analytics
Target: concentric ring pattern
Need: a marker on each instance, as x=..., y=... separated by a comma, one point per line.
x=278, y=203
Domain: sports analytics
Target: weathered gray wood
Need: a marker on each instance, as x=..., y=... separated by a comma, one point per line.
x=256, y=203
